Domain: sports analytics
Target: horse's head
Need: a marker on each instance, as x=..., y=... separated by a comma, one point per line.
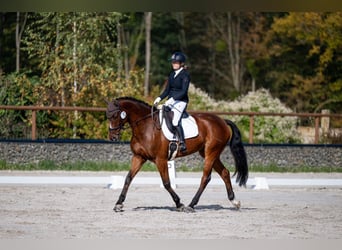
x=117, y=119
x=126, y=109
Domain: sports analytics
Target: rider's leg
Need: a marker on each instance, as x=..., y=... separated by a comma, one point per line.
x=178, y=109
x=180, y=134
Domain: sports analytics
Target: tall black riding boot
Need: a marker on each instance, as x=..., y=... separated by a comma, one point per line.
x=180, y=134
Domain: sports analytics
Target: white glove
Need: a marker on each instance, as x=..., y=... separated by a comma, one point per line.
x=157, y=100
x=169, y=101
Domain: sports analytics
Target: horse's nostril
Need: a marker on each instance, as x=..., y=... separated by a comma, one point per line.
x=114, y=139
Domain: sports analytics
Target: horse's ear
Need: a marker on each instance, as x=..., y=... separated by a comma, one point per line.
x=115, y=102
x=106, y=101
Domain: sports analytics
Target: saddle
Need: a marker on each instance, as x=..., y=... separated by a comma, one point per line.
x=188, y=123
x=168, y=116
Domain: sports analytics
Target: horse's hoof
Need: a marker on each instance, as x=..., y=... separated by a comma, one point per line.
x=236, y=204
x=180, y=208
x=118, y=208
x=189, y=210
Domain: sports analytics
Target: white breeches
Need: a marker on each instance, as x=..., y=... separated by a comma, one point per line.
x=177, y=107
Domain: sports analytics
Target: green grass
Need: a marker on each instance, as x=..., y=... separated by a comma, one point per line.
x=296, y=169
x=114, y=166
x=71, y=166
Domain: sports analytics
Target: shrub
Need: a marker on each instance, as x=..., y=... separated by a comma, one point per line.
x=267, y=129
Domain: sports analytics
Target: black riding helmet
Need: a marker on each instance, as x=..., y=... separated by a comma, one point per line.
x=178, y=57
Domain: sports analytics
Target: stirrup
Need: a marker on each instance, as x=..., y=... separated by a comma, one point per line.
x=172, y=152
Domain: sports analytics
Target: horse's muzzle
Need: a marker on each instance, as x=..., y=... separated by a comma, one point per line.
x=113, y=137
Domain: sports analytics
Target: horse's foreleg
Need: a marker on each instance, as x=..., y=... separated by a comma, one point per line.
x=137, y=162
x=225, y=175
x=164, y=174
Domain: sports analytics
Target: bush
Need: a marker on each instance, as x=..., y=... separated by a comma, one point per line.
x=267, y=129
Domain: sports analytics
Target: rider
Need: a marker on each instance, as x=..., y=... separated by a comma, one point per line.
x=177, y=92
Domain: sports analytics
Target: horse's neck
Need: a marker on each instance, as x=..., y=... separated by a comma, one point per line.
x=136, y=112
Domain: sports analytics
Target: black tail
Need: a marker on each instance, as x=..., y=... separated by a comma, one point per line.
x=239, y=154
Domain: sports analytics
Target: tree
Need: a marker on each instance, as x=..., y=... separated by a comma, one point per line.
x=164, y=41
x=252, y=44
x=304, y=51
x=78, y=65
x=130, y=29
x=148, y=20
x=7, y=42
x=20, y=25
x=228, y=25
x=234, y=43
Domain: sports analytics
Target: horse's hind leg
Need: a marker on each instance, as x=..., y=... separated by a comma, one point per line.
x=225, y=175
x=164, y=174
x=206, y=176
x=137, y=162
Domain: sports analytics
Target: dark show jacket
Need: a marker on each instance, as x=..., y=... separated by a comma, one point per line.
x=177, y=87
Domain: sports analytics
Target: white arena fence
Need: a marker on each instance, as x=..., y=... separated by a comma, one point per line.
x=117, y=181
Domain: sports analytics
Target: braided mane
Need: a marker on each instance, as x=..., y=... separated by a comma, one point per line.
x=113, y=105
x=133, y=99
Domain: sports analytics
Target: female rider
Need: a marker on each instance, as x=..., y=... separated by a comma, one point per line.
x=177, y=92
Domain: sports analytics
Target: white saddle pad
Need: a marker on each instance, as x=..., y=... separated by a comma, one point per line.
x=189, y=126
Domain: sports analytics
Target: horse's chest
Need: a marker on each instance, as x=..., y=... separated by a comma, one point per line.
x=139, y=149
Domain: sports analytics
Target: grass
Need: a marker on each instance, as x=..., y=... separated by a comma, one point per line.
x=296, y=169
x=115, y=166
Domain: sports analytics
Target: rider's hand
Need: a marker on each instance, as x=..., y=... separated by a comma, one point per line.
x=156, y=101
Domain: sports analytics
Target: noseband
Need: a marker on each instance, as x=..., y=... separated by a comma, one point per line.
x=119, y=127
x=114, y=113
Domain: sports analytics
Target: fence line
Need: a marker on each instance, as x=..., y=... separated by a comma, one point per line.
x=251, y=115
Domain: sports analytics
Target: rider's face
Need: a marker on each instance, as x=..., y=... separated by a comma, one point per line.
x=176, y=65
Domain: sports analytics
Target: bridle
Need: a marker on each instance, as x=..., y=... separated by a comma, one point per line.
x=114, y=114
x=118, y=112
x=120, y=126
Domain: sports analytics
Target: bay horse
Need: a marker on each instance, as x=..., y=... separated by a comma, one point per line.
x=149, y=143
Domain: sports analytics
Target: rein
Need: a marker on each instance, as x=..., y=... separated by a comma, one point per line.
x=114, y=109
x=145, y=117
x=122, y=127
x=155, y=124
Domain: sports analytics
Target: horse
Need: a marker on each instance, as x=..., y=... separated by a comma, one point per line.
x=149, y=144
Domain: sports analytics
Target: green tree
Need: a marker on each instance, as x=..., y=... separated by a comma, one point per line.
x=19, y=90
x=164, y=41
x=305, y=60
x=78, y=60
x=20, y=26
x=225, y=49
x=7, y=42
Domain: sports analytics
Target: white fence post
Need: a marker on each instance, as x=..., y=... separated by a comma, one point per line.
x=172, y=174
x=260, y=183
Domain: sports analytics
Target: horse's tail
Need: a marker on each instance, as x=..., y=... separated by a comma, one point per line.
x=239, y=154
